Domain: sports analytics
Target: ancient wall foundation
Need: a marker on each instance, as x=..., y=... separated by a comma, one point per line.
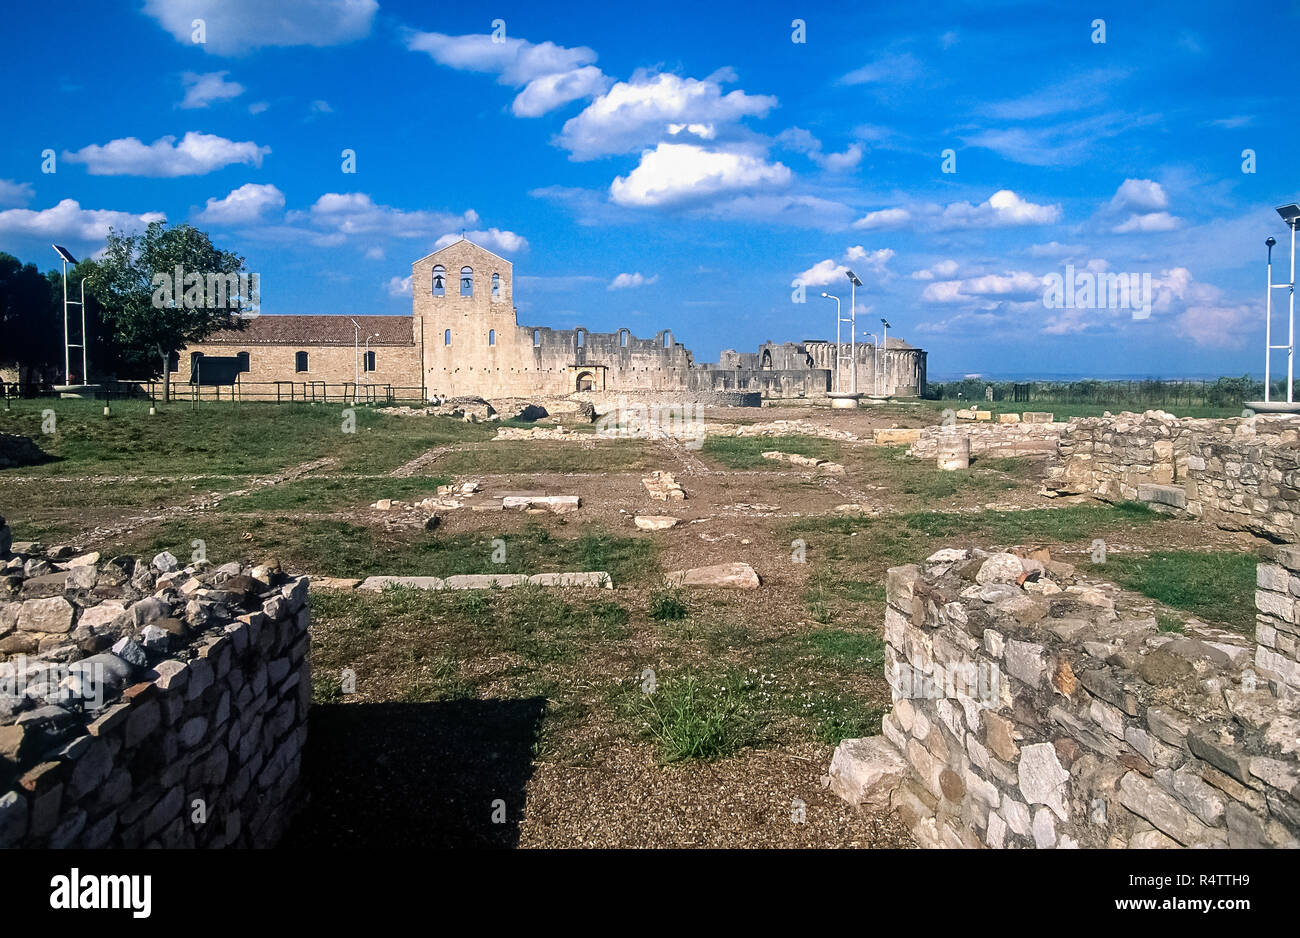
x=1241, y=473
x=1036, y=708
x=992, y=439
x=142, y=704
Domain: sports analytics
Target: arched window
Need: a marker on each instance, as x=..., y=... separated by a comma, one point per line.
x=537, y=337
x=492, y=335
x=496, y=286
x=668, y=340
x=466, y=281
x=580, y=338
x=300, y=361
x=622, y=338
x=446, y=337
x=439, y=280
x=369, y=362
x=243, y=360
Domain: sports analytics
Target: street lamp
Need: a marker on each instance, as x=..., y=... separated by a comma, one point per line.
x=884, y=365
x=356, y=358
x=853, y=320
x=1291, y=215
x=874, y=383
x=66, y=256
x=838, y=319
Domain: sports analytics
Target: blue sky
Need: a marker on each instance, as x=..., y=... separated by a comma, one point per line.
x=682, y=167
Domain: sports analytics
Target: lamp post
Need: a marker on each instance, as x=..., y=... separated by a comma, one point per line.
x=838, y=319
x=356, y=358
x=1268, y=320
x=854, y=283
x=874, y=383
x=1291, y=215
x=884, y=365
x=66, y=257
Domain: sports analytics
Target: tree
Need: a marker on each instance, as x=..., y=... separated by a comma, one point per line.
x=164, y=289
x=29, y=318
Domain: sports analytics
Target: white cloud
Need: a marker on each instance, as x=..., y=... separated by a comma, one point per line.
x=1003, y=209
x=234, y=27
x=551, y=75
x=69, y=220
x=874, y=261
x=945, y=268
x=637, y=112
x=892, y=69
x=1139, y=195
x=796, y=138
x=828, y=271
x=248, y=204
x=885, y=218
x=196, y=154
x=674, y=173
x=985, y=290
x=257, y=107
x=822, y=274
x=201, y=90
x=1152, y=221
x=355, y=213
x=399, y=286
x=624, y=281
x=15, y=193
x=1056, y=249
x=494, y=239
x=545, y=94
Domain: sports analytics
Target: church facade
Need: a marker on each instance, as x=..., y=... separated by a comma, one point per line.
x=463, y=338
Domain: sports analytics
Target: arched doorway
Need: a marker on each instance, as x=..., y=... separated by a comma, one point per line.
x=586, y=381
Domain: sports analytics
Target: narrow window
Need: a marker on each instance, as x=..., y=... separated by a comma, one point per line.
x=668, y=340
x=466, y=281
x=492, y=337
x=537, y=337
x=300, y=361
x=446, y=337
x=622, y=338
x=370, y=361
x=580, y=337
x=439, y=280
x=496, y=286
x=243, y=361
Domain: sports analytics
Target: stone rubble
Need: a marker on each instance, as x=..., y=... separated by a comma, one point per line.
x=663, y=487
x=132, y=690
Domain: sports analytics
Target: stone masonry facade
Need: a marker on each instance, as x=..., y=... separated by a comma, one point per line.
x=1035, y=708
x=463, y=339
x=144, y=704
x=1241, y=473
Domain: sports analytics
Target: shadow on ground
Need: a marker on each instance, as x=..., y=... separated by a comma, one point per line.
x=416, y=774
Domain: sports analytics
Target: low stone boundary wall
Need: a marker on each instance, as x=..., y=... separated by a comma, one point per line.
x=1034, y=708
x=993, y=439
x=604, y=401
x=146, y=705
x=1241, y=473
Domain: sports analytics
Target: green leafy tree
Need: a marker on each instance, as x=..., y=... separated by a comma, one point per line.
x=151, y=316
x=30, y=329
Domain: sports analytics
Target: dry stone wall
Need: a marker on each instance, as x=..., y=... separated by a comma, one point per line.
x=1035, y=708
x=1241, y=473
x=992, y=439
x=144, y=704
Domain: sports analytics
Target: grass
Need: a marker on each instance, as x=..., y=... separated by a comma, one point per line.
x=890, y=466
x=334, y=493
x=746, y=452
x=696, y=718
x=1217, y=586
x=330, y=547
x=532, y=456
x=666, y=605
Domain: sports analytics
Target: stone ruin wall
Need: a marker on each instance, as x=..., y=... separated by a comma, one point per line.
x=1034, y=708
x=1241, y=473
x=993, y=440
x=131, y=691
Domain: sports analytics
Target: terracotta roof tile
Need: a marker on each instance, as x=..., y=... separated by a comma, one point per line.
x=316, y=330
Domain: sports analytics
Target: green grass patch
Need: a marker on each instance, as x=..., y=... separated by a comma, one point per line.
x=693, y=717
x=746, y=452
x=1217, y=586
x=667, y=605
x=335, y=493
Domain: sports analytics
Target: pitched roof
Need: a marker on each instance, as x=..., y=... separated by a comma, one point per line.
x=316, y=330
x=473, y=244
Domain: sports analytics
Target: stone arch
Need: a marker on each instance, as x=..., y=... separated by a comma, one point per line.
x=439, y=280
x=496, y=288
x=623, y=335
x=766, y=363
x=585, y=381
x=467, y=281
